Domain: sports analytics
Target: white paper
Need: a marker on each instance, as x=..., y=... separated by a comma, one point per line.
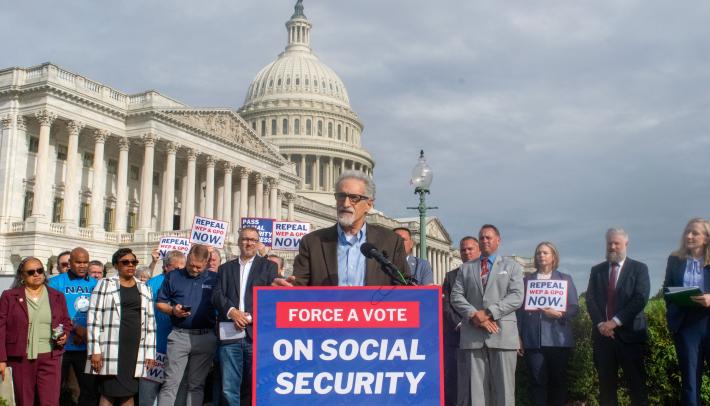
x=6, y=390
x=228, y=331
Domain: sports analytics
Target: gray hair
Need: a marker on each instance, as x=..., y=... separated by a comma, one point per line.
x=353, y=174
x=172, y=256
x=617, y=231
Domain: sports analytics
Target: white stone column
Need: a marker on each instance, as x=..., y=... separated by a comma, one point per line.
x=169, y=187
x=227, y=199
x=303, y=171
x=273, y=200
x=290, y=199
x=209, y=187
x=70, y=210
x=122, y=186
x=329, y=176
x=43, y=187
x=98, y=188
x=244, y=192
x=266, y=210
x=146, y=199
x=279, y=204
x=316, y=173
x=259, y=212
x=342, y=165
x=189, y=202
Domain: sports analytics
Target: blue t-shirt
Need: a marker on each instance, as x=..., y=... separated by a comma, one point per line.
x=77, y=292
x=181, y=288
x=163, y=326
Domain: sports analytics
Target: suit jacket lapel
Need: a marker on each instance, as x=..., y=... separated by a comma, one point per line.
x=255, y=265
x=371, y=266
x=477, y=276
x=115, y=292
x=624, y=275
x=329, y=245
x=22, y=300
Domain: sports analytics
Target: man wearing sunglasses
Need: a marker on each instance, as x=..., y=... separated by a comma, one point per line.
x=331, y=256
x=77, y=285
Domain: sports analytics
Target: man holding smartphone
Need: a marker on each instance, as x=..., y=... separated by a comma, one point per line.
x=186, y=295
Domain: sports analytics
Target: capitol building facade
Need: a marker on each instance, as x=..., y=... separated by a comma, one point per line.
x=82, y=163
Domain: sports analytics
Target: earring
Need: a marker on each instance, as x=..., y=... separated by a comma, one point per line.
x=22, y=282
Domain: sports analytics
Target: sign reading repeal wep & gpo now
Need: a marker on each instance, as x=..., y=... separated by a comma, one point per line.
x=549, y=293
x=363, y=345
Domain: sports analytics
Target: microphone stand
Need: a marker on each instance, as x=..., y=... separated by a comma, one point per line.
x=395, y=275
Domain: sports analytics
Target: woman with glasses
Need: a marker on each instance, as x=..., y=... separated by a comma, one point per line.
x=121, y=331
x=34, y=323
x=689, y=266
x=546, y=339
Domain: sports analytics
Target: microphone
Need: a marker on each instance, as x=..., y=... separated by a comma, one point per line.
x=370, y=251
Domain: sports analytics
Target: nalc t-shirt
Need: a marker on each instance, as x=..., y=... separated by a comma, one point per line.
x=77, y=292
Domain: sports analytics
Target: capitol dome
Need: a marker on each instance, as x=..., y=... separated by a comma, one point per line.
x=301, y=105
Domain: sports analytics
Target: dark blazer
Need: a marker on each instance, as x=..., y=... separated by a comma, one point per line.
x=632, y=290
x=451, y=316
x=560, y=331
x=676, y=316
x=226, y=292
x=14, y=321
x=317, y=261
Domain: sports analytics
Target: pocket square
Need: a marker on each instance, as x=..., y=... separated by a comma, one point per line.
x=503, y=273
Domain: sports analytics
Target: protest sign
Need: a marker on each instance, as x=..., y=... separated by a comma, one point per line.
x=264, y=225
x=168, y=244
x=157, y=373
x=348, y=346
x=541, y=294
x=287, y=235
x=208, y=232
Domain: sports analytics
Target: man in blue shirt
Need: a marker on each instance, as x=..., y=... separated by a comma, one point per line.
x=186, y=295
x=420, y=268
x=77, y=285
x=150, y=387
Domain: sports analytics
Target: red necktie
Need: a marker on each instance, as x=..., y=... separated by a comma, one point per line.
x=611, y=292
x=484, y=271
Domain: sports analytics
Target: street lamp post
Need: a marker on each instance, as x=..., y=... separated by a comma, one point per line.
x=422, y=175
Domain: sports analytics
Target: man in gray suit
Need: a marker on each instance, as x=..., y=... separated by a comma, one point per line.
x=487, y=292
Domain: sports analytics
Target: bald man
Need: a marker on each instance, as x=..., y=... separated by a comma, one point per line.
x=77, y=285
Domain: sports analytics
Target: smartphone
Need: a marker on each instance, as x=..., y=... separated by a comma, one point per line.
x=187, y=308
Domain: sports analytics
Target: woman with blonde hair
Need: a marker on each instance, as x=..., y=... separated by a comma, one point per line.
x=546, y=339
x=689, y=266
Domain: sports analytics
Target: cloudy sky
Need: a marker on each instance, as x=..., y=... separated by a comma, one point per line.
x=551, y=119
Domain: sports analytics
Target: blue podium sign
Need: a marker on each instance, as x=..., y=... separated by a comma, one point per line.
x=348, y=346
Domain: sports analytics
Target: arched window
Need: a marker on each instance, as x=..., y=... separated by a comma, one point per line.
x=279, y=82
x=347, y=133
x=297, y=126
x=320, y=128
x=315, y=82
x=339, y=136
x=306, y=81
x=284, y=126
x=288, y=81
x=271, y=83
x=273, y=127
x=308, y=126
x=253, y=125
x=298, y=81
x=263, y=128
x=330, y=130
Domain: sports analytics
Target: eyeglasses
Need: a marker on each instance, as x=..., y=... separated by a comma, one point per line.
x=126, y=262
x=340, y=196
x=254, y=240
x=64, y=264
x=32, y=272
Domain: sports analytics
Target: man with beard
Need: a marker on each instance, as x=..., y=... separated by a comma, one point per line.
x=617, y=294
x=331, y=256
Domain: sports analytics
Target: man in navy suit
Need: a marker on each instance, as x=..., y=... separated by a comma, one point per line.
x=617, y=294
x=233, y=300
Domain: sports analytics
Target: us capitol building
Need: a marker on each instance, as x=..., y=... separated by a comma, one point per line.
x=84, y=164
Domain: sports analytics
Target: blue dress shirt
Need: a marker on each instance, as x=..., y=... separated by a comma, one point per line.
x=351, y=262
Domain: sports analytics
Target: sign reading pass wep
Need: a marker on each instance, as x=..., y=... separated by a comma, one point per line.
x=541, y=294
x=348, y=346
x=208, y=231
x=264, y=225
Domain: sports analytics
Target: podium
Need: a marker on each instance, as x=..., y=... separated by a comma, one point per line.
x=348, y=346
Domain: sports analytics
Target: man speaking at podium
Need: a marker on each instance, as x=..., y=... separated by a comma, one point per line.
x=331, y=256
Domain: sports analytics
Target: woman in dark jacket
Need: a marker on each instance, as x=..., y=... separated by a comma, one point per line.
x=546, y=334
x=690, y=266
x=34, y=323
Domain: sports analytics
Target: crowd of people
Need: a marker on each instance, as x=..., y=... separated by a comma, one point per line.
x=193, y=318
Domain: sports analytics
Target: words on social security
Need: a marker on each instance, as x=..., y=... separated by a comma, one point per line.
x=357, y=351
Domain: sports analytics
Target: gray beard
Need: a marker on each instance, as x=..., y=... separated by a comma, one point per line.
x=346, y=219
x=615, y=257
